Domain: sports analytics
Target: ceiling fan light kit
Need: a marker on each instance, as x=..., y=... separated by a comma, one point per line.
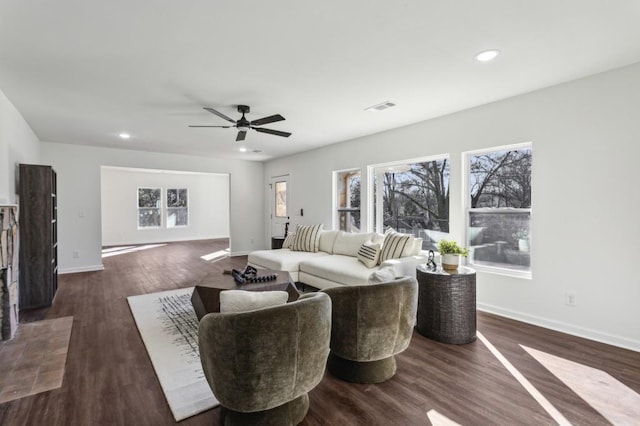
x=243, y=125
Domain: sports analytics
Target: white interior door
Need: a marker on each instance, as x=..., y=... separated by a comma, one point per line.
x=279, y=205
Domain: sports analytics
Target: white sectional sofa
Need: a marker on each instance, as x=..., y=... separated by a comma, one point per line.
x=336, y=262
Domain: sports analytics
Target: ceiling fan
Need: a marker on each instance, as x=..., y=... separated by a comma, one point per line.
x=243, y=125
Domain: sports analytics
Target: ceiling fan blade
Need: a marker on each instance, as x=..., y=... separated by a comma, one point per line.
x=267, y=120
x=219, y=114
x=241, y=135
x=224, y=127
x=272, y=132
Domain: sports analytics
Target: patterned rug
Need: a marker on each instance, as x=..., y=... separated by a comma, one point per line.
x=169, y=329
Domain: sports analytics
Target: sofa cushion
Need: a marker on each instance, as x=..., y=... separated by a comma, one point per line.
x=348, y=243
x=282, y=259
x=347, y=270
x=307, y=238
x=242, y=300
x=369, y=254
x=327, y=239
x=394, y=246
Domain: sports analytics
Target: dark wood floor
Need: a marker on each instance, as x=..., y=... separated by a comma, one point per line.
x=109, y=379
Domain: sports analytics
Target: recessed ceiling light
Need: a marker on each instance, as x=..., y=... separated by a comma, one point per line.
x=243, y=149
x=124, y=135
x=487, y=55
x=380, y=107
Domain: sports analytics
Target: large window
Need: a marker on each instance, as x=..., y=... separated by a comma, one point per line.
x=149, y=207
x=348, y=200
x=177, y=207
x=499, y=208
x=413, y=197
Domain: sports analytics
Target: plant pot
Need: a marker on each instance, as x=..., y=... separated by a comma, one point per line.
x=523, y=244
x=450, y=261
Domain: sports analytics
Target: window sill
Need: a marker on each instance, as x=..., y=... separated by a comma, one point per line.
x=502, y=271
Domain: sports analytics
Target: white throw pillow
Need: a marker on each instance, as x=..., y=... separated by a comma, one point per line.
x=394, y=246
x=307, y=238
x=368, y=254
x=348, y=243
x=327, y=239
x=242, y=300
x=288, y=241
x=416, y=248
x=382, y=275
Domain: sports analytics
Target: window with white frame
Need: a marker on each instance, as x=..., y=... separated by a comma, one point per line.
x=348, y=200
x=499, y=208
x=413, y=197
x=177, y=207
x=149, y=208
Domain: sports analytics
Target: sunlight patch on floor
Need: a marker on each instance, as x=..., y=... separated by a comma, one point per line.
x=215, y=256
x=438, y=419
x=535, y=393
x=612, y=399
x=114, y=251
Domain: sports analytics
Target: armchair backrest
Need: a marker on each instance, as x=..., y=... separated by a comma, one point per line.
x=260, y=359
x=373, y=322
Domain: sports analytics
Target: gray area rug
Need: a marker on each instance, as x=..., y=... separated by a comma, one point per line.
x=169, y=329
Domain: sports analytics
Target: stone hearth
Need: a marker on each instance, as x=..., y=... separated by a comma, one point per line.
x=8, y=270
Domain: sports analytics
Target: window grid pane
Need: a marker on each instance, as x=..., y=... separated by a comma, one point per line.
x=149, y=207
x=177, y=207
x=281, y=199
x=499, y=217
x=415, y=199
x=348, y=202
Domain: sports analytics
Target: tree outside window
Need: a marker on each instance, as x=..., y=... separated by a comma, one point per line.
x=499, y=208
x=414, y=198
x=149, y=208
x=177, y=207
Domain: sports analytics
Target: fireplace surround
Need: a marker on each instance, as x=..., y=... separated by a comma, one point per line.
x=8, y=270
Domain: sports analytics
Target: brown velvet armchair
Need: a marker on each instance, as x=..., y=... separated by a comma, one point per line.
x=261, y=364
x=371, y=324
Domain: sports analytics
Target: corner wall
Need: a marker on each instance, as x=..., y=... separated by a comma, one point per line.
x=207, y=197
x=585, y=227
x=78, y=169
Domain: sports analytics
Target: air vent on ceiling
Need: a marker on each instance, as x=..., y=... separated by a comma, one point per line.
x=380, y=107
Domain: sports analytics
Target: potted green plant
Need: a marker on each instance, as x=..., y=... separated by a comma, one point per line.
x=523, y=239
x=450, y=252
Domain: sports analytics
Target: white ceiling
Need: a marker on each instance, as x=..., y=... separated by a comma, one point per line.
x=82, y=71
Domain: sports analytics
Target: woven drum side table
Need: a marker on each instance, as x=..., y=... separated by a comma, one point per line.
x=447, y=304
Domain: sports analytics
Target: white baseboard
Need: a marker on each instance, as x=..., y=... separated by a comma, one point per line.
x=586, y=333
x=91, y=268
x=239, y=253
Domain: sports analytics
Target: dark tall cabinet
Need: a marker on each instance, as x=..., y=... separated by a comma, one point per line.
x=38, y=236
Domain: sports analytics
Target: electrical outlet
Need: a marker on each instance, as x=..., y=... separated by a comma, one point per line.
x=570, y=299
x=75, y=254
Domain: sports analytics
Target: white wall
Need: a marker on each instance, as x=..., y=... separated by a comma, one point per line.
x=78, y=169
x=18, y=144
x=208, y=203
x=586, y=200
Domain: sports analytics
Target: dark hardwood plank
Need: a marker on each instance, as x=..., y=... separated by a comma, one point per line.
x=109, y=379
